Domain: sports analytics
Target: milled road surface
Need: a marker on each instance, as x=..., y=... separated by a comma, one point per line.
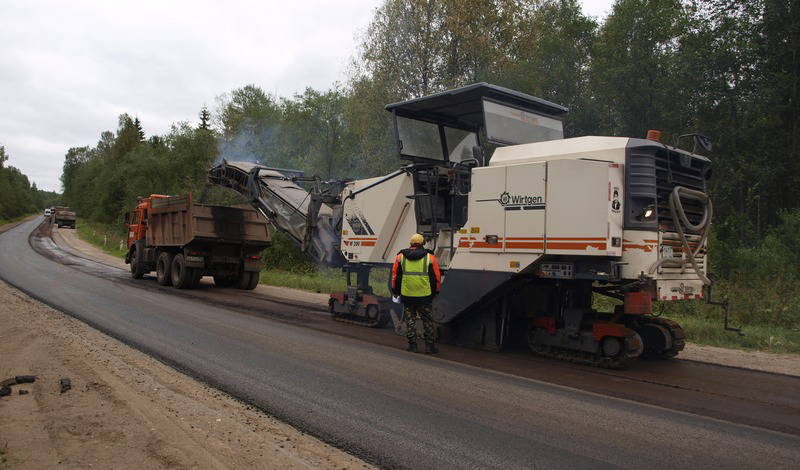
x=389, y=407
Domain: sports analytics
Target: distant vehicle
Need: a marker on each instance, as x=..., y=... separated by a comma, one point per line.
x=63, y=217
x=47, y=212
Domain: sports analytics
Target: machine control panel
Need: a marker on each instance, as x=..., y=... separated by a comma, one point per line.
x=557, y=270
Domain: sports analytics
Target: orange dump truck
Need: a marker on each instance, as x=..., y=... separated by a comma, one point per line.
x=182, y=242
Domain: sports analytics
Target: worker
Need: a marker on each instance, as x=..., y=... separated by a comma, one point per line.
x=416, y=278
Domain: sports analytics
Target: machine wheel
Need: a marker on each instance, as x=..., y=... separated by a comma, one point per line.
x=136, y=270
x=254, y=278
x=611, y=346
x=244, y=280
x=181, y=275
x=164, y=269
x=372, y=313
x=658, y=341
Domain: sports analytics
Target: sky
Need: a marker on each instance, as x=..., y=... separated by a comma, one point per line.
x=68, y=69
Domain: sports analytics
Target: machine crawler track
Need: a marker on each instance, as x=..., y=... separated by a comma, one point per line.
x=378, y=321
x=579, y=357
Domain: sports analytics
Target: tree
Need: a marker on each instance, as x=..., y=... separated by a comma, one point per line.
x=634, y=63
x=317, y=121
x=249, y=121
x=205, y=118
x=138, y=125
x=552, y=59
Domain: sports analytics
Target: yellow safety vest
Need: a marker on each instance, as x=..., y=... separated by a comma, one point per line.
x=415, y=282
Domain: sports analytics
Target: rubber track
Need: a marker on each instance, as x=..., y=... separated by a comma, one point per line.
x=360, y=321
x=578, y=357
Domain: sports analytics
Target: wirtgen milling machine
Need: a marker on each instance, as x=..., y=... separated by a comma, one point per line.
x=524, y=238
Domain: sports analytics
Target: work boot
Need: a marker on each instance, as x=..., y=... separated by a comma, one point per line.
x=430, y=348
x=412, y=346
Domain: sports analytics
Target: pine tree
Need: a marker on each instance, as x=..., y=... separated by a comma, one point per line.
x=138, y=124
x=205, y=118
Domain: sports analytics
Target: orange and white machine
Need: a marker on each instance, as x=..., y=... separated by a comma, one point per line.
x=527, y=237
x=526, y=234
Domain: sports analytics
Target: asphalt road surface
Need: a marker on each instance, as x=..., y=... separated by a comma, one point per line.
x=389, y=407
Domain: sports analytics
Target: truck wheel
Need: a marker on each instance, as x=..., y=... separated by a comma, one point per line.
x=181, y=275
x=164, y=269
x=254, y=278
x=244, y=280
x=136, y=269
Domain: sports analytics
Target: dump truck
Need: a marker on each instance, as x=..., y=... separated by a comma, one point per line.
x=526, y=236
x=63, y=217
x=183, y=241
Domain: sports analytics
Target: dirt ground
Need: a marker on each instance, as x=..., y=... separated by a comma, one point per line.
x=124, y=409
x=127, y=410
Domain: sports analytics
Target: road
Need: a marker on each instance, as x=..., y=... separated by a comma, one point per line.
x=386, y=406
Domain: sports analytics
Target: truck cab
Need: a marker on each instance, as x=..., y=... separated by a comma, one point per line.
x=136, y=221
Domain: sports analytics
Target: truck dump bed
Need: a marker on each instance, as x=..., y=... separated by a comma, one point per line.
x=177, y=221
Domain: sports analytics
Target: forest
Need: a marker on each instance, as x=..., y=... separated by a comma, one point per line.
x=18, y=196
x=728, y=69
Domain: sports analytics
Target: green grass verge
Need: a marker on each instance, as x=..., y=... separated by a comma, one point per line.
x=323, y=280
x=15, y=219
x=102, y=236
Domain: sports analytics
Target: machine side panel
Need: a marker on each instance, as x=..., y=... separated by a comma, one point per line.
x=524, y=205
x=486, y=225
x=579, y=213
x=378, y=222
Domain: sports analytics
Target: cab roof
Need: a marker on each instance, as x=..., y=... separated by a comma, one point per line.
x=463, y=107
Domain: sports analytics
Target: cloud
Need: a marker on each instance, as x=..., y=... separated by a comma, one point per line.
x=69, y=69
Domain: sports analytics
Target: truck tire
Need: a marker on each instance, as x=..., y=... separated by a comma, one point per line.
x=181, y=275
x=244, y=280
x=254, y=278
x=136, y=268
x=164, y=268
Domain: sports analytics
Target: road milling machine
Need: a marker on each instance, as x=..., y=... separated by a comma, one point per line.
x=525, y=236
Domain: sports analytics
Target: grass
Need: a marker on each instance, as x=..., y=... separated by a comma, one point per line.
x=15, y=219
x=323, y=280
x=102, y=236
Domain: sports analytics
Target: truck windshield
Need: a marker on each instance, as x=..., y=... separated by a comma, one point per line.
x=421, y=139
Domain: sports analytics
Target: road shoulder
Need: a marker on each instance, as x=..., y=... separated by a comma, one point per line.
x=125, y=409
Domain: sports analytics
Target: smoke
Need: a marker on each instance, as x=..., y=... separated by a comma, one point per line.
x=250, y=144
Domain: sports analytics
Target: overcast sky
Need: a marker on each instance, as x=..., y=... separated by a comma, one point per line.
x=68, y=69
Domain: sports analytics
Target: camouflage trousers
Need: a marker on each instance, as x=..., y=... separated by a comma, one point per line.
x=410, y=314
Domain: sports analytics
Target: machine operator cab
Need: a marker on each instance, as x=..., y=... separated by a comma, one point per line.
x=441, y=135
